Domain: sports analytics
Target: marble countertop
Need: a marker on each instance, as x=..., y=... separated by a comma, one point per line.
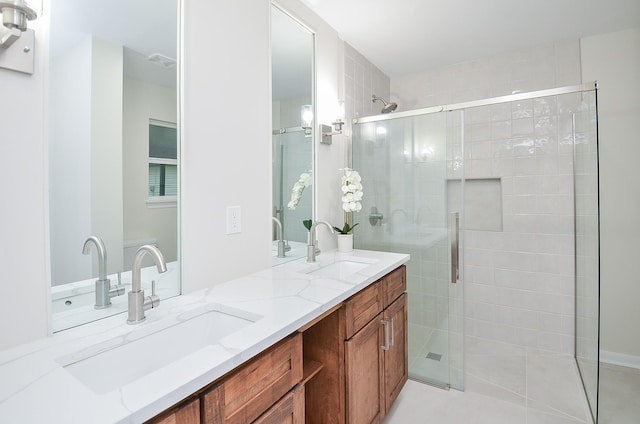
x=35, y=385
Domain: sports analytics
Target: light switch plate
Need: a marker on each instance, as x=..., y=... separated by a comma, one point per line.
x=234, y=220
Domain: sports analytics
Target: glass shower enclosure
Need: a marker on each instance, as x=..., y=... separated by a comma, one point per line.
x=496, y=201
x=292, y=153
x=413, y=205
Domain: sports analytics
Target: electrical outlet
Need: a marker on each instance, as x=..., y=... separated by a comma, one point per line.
x=233, y=219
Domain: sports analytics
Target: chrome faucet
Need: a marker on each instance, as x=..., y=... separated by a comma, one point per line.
x=104, y=292
x=138, y=303
x=281, y=247
x=311, y=246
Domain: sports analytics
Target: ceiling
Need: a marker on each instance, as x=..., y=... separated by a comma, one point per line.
x=291, y=57
x=142, y=27
x=407, y=36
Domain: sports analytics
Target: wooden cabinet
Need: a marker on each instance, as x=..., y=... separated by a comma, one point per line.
x=289, y=410
x=250, y=390
x=396, y=365
x=264, y=390
x=363, y=347
x=186, y=413
x=364, y=372
x=355, y=364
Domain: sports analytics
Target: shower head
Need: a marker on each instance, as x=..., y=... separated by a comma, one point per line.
x=388, y=107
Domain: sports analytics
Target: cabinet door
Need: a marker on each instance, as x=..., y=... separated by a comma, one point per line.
x=364, y=375
x=396, y=370
x=188, y=413
x=288, y=410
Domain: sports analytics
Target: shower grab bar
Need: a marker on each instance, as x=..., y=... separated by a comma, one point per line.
x=454, y=234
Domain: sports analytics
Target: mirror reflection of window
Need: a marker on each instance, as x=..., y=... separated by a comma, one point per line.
x=163, y=159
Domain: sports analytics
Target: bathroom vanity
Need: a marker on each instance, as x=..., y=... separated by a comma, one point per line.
x=321, y=343
x=346, y=366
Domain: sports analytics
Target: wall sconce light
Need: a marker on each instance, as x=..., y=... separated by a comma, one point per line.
x=327, y=131
x=16, y=56
x=306, y=119
x=15, y=14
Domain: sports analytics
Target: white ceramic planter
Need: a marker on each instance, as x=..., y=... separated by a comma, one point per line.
x=345, y=242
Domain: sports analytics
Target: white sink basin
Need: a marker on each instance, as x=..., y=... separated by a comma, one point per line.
x=121, y=360
x=340, y=269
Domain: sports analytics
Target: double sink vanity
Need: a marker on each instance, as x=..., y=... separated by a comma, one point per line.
x=323, y=340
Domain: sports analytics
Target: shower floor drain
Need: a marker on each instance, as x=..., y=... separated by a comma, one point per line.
x=434, y=356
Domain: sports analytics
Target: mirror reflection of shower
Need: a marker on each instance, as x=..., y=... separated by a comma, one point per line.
x=388, y=107
x=292, y=183
x=292, y=105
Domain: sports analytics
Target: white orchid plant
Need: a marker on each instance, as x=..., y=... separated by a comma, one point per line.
x=351, y=197
x=305, y=180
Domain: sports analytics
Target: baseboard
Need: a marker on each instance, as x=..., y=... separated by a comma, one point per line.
x=621, y=359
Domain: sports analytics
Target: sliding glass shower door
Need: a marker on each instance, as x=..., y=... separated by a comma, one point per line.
x=406, y=166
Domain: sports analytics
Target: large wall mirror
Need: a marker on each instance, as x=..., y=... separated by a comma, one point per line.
x=292, y=54
x=113, y=150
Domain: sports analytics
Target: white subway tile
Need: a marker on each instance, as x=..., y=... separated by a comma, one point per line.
x=522, y=127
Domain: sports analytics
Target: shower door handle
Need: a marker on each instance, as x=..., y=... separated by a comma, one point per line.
x=454, y=235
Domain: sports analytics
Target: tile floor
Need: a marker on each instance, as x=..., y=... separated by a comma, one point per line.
x=422, y=368
x=619, y=395
x=504, y=384
x=514, y=385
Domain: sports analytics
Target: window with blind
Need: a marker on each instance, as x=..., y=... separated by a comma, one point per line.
x=163, y=163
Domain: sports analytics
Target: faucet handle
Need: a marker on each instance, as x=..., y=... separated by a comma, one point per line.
x=152, y=301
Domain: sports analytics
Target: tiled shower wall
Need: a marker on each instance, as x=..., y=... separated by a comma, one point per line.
x=519, y=278
x=361, y=80
x=537, y=68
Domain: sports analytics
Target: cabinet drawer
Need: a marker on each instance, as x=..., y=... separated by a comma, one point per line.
x=288, y=410
x=250, y=390
x=361, y=308
x=394, y=284
x=187, y=413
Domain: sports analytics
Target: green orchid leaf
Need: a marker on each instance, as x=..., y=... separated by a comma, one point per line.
x=346, y=229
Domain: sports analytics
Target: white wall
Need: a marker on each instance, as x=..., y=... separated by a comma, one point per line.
x=70, y=163
x=144, y=101
x=225, y=160
x=614, y=61
x=106, y=150
x=24, y=255
x=85, y=149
